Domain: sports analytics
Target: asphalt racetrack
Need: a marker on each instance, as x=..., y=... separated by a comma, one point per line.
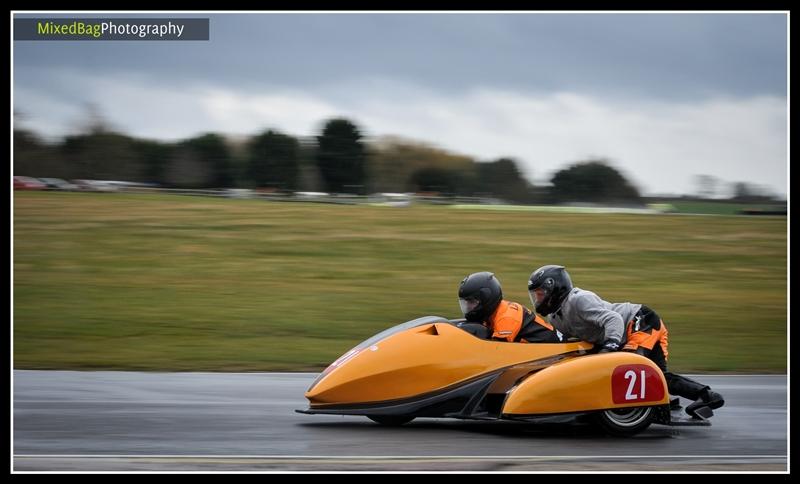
x=245, y=422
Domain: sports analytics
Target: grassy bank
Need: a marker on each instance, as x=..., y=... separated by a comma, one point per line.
x=152, y=282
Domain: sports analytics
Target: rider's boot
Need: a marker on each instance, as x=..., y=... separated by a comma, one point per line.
x=705, y=400
x=708, y=400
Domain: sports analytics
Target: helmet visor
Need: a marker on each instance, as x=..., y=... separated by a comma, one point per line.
x=468, y=304
x=537, y=296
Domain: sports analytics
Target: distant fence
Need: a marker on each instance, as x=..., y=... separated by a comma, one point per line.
x=248, y=194
x=385, y=199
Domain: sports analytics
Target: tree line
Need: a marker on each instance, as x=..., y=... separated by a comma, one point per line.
x=337, y=160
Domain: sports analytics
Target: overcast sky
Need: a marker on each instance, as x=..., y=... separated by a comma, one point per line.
x=663, y=97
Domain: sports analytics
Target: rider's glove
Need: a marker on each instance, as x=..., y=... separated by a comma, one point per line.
x=609, y=346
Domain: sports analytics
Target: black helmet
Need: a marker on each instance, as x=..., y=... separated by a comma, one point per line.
x=553, y=284
x=479, y=295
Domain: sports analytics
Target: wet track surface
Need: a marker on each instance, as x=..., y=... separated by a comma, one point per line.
x=128, y=421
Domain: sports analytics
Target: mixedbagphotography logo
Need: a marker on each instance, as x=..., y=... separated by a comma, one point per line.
x=111, y=29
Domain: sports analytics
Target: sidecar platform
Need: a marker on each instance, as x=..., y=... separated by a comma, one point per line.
x=679, y=419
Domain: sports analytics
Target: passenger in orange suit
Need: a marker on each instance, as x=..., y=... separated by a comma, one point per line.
x=488, y=315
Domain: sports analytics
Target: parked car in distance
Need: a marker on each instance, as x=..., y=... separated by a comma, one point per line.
x=95, y=186
x=59, y=184
x=28, y=183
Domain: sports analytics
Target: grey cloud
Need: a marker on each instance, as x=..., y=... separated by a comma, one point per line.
x=670, y=56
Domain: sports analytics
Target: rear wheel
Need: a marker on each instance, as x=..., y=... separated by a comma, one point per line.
x=625, y=421
x=390, y=420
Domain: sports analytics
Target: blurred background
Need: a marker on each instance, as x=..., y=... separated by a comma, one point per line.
x=268, y=198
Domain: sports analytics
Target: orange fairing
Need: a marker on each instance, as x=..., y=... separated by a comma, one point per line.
x=420, y=360
x=609, y=380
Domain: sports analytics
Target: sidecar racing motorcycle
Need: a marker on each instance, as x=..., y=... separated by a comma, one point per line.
x=430, y=367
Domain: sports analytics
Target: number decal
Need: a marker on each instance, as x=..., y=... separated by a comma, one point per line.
x=632, y=375
x=636, y=383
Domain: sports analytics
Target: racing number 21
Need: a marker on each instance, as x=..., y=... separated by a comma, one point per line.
x=636, y=383
x=630, y=374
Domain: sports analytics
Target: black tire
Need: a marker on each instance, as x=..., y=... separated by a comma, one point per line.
x=390, y=420
x=624, y=422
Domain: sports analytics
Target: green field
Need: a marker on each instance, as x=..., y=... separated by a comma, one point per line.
x=151, y=282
